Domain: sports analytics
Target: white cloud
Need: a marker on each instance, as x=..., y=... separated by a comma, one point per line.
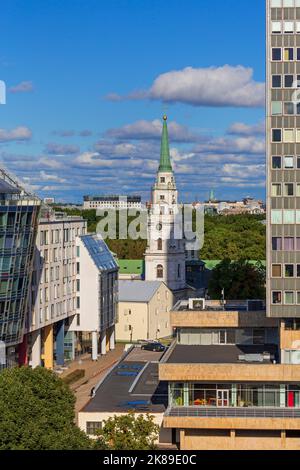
x=213, y=86
x=17, y=134
x=58, y=149
x=50, y=177
x=143, y=130
x=241, y=129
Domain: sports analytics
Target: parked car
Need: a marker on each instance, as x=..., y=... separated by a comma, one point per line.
x=156, y=347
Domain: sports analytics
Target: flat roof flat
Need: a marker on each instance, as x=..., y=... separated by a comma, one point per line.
x=228, y=354
x=114, y=395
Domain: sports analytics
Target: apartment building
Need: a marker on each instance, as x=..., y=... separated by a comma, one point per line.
x=226, y=386
x=116, y=202
x=96, y=296
x=283, y=172
x=52, y=298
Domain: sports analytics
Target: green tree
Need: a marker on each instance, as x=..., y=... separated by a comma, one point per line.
x=128, y=432
x=37, y=412
x=239, y=279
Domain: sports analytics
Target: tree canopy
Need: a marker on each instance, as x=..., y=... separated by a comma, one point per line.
x=239, y=279
x=128, y=432
x=233, y=236
x=37, y=412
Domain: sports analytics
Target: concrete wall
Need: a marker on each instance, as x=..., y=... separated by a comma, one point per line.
x=230, y=372
x=190, y=318
x=193, y=440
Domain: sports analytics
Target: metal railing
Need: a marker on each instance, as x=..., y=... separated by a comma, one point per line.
x=232, y=412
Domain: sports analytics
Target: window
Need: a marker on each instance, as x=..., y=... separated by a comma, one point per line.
x=276, y=81
x=276, y=135
x=298, y=53
x=276, y=243
x=297, y=27
x=276, y=26
x=276, y=163
x=92, y=427
x=288, y=81
x=276, y=3
x=288, y=189
x=276, y=270
x=288, y=135
x=77, y=302
x=298, y=163
x=162, y=179
x=276, y=297
x=288, y=217
x=78, y=319
x=179, y=271
x=276, y=54
x=288, y=163
x=289, y=298
x=276, y=217
x=276, y=190
x=159, y=244
x=159, y=271
x=288, y=3
x=276, y=108
x=288, y=270
x=288, y=244
x=288, y=27
x=297, y=135
x=298, y=190
x=288, y=108
x=162, y=197
x=288, y=54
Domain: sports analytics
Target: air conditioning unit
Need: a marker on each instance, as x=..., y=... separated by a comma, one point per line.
x=196, y=304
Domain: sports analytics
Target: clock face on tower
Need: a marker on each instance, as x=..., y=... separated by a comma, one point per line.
x=158, y=227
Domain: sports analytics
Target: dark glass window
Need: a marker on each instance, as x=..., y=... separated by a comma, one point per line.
x=276, y=53
x=288, y=81
x=289, y=270
x=276, y=163
x=298, y=53
x=276, y=135
x=276, y=243
x=276, y=81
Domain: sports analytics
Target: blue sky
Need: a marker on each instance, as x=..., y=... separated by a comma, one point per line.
x=89, y=80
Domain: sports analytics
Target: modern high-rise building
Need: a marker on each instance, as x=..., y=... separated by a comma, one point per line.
x=283, y=172
x=165, y=253
x=18, y=228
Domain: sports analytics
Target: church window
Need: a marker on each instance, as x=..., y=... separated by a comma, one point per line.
x=162, y=197
x=159, y=271
x=159, y=244
x=179, y=271
x=162, y=179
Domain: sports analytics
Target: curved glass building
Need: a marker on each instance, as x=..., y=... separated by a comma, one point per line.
x=18, y=227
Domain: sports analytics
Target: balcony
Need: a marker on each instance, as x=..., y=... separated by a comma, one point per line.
x=232, y=412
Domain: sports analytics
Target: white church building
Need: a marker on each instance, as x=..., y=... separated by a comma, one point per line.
x=165, y=253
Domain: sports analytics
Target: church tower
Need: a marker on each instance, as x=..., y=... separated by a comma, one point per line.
x=165, y=253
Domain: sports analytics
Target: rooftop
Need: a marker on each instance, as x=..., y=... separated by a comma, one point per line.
x=218, y=306
x=99, y=252
x=229, y=354
x=131, y=385
x=137, y=291
x=131, y=266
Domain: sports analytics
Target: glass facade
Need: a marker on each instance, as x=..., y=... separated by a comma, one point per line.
x=18, y=228
x=234, y=395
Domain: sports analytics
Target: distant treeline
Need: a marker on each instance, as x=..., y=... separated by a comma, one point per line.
x=233, y=236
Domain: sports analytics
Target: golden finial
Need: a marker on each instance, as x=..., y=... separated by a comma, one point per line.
x=165, y=117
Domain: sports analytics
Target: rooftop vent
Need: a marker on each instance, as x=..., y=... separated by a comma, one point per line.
x=196, y=304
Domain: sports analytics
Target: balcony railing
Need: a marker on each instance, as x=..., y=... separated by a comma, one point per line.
x=218, y=412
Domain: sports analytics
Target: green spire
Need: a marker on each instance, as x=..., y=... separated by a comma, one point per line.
x=165, y=160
